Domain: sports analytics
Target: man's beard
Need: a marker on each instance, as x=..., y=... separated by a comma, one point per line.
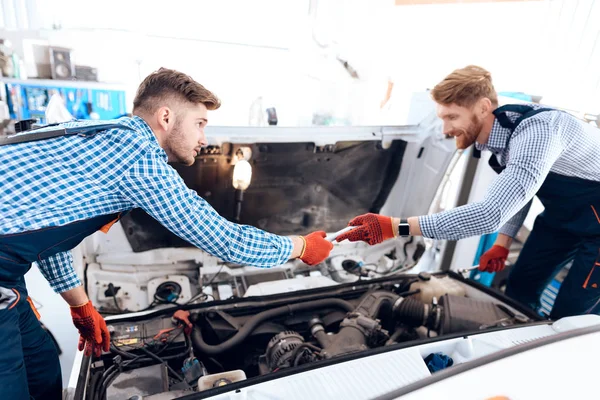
x=469, y=136
x=176, y=146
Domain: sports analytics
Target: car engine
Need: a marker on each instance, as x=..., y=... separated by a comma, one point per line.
x=220, y=342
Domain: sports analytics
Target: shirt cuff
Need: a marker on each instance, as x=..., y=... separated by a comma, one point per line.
x=509, y=229
x=65, y=283
x=58, y=271
x=427, y=225
x=287, y=248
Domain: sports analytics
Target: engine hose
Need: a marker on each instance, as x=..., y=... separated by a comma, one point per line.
x=259, y=318
x=411, y=312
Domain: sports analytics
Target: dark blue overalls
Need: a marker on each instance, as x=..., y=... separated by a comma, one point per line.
x=29, y=366
x=567, y=230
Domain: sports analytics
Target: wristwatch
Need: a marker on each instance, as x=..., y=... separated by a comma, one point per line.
x=403, y=228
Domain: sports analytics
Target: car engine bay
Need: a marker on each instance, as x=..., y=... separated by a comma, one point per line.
x=197, y=348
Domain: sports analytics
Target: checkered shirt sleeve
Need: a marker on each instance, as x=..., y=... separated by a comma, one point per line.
x=531, y=158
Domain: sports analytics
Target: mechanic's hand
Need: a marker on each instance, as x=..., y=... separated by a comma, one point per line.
x=494, y=259
x=93, y=334
x=372, y=228
x=316, y=248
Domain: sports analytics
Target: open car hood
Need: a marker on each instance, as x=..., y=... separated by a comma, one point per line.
x=296, y=187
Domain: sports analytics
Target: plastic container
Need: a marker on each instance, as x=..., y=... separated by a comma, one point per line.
x=431, y=286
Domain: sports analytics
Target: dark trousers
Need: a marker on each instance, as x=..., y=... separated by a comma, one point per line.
x=29, y=366
x=547, y=250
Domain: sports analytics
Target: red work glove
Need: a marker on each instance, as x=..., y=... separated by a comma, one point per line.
x=316, y=248
x=372, y=228
x=93, y=334
x=494, y=259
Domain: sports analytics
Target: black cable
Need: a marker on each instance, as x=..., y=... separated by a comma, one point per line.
x=101, y=394
x=110, y=374
x=189, y=345
x=409, y=293
x=113, y=292
x=406, y=245
x=152, y=305
x=157, y=301
x=100, y=386
x=157, y=358
x=259, y=318
x=122, y=353
x=105, y=381
x=396, y=264
x=406, y=286
x=85, y=278
x=297, y=353
x=90, y=393
x=130, y=356
x=198, y=296
x=205, y=286
x=213, y=278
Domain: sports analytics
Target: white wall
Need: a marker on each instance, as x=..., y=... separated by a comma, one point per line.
x=242, y=50
x=549, y=48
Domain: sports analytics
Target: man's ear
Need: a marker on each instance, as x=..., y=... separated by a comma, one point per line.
x=165, y=118
x=485, y=107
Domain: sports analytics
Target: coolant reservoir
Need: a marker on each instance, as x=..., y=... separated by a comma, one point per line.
x=432, y=286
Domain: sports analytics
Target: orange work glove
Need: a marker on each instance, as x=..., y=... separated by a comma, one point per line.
x=316, y=248
x=93, y=334
x=372, y=228
x=494, y=259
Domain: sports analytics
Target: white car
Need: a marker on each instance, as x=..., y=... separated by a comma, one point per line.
x=368, y=322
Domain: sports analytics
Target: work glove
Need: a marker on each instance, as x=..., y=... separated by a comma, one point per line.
x=316, y=248
x=372, y=228
x=93, y=334
x=494, y=259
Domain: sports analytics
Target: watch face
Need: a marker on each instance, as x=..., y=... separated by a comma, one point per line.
x=404, y=229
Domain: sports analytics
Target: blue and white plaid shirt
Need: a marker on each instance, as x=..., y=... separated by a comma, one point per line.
x=552, y=141
x=54, y=182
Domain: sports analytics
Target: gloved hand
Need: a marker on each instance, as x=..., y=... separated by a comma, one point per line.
x=372, y=228
x=316, y=248
x=494, y=259
x=93, y=334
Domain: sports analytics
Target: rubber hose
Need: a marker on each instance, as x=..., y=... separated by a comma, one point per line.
x=259, y=318
x=411, y=312
x=371, y=304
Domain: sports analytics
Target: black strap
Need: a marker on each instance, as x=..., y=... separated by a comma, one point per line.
x=505, y=122
x=525, y=111
x=32, y=136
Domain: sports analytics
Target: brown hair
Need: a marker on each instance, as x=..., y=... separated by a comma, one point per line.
x=464, y=87
x=167, y=85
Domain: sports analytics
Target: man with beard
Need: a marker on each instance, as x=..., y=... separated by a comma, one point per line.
x=63, y=183
x=536, y=150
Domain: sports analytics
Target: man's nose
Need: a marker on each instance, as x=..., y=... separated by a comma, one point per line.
x=446, y=129
x=203, y=142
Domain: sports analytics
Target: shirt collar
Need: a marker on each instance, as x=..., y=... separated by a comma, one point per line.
x=498, y=138
x=141, y=127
